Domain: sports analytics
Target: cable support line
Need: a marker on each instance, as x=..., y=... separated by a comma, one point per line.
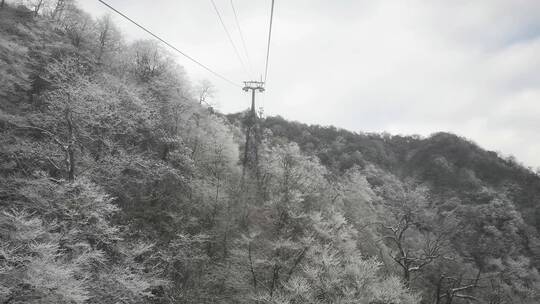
x=170, y=45
x=269, y=37
x=229, y=36
x=242, y=37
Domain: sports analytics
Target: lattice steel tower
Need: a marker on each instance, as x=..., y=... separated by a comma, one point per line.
x=253, y=136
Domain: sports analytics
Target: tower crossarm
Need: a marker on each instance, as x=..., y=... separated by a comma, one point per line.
x=253, y=85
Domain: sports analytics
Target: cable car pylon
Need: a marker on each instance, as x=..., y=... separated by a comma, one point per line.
x=253, y=136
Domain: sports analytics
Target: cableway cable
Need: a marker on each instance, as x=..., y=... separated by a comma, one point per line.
x=229, y=36
x=269, y=37
x=241, y=37
x=170, y=45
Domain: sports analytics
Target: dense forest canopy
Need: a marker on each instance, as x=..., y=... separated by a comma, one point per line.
x=119, y=184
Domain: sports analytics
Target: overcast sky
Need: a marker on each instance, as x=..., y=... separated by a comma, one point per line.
x=404, y=66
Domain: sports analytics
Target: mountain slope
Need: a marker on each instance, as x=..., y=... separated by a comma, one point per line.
x=452, y=165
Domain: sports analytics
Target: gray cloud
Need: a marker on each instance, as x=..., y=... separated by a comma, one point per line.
x=418, y=66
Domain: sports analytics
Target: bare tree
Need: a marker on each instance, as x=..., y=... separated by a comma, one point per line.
x=415, y=236
x=150, y=61
x=59, y=8
x=450, y=288
x=205, y=89
x=108, y=36
x=75, y=22
x=104, y=26
x=38, y=4
x=67, y=145
x=412, y=260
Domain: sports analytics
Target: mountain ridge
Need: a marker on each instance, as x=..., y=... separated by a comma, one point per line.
x=439, y=159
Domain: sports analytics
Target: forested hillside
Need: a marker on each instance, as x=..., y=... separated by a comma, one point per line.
x=450, y=165
x=118, y=184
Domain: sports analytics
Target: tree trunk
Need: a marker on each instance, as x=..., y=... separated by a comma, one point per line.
x=275, y=278
x=71, y=155
x=251, y=267
x=70, y=151
x=103, y=37
x=2, y=4
x=438, y=291
x=58, y=8
x=37, y=8
x=407, y=277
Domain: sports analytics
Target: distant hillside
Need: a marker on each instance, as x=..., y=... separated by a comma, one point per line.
x=451, y=165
